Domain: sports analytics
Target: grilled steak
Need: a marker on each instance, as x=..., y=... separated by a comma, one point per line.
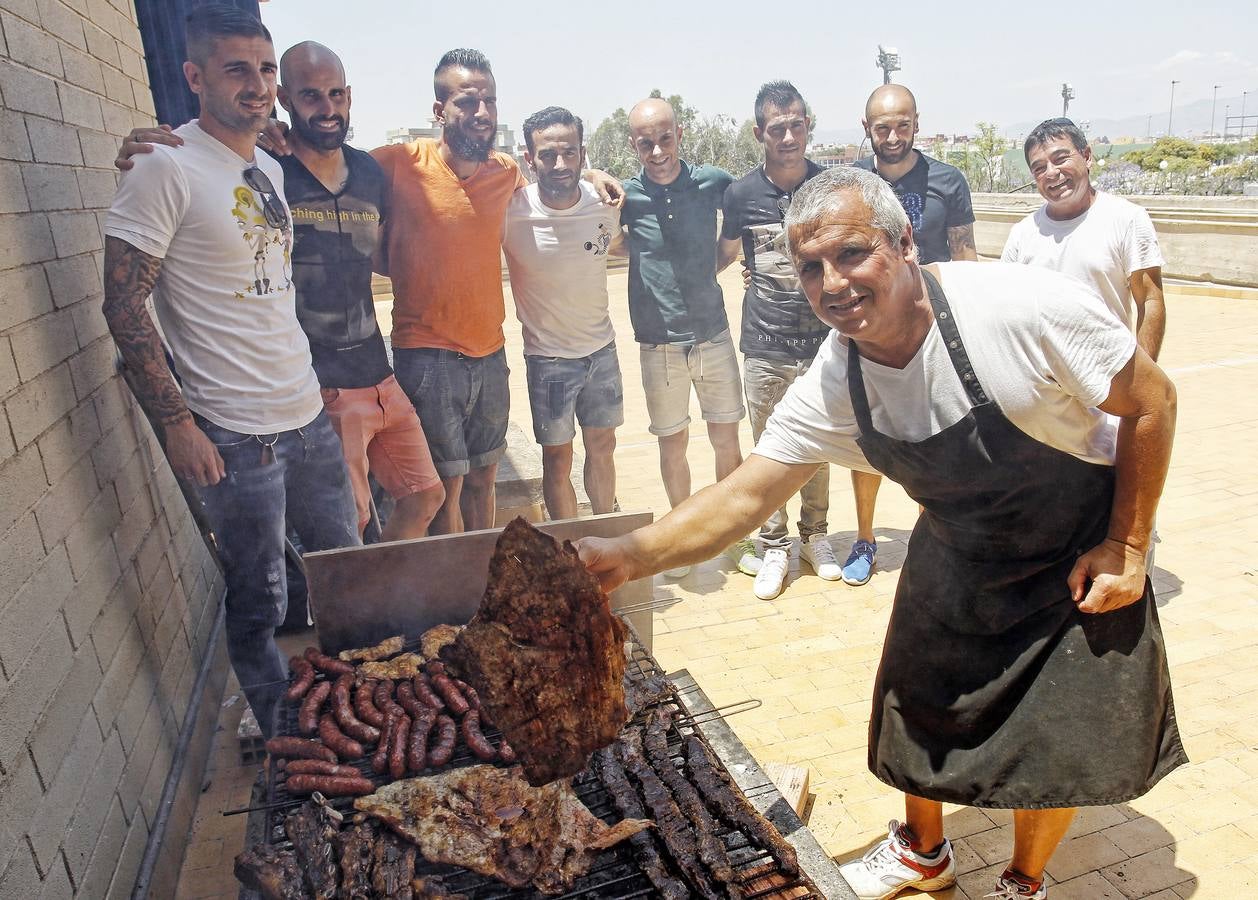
x=613, y=776
x=408, y=665
x=312, y=829
x=394, y=868
x=677, y=833
x=711, y=850
x=723, y=795
x=382, y=650
x=432, y=640
x=356, y=845
x=546, y=654
x=275, y=874
x=645, y=692
x=490, y=821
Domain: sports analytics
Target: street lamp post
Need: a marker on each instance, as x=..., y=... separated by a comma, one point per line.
x=1067, y=94
x=889, y=61
x=1214, y=104
x=1170, y=116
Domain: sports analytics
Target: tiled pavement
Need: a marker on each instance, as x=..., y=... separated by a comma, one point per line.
x=810, y=655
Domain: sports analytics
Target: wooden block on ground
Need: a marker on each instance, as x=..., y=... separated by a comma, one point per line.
x=792, y=781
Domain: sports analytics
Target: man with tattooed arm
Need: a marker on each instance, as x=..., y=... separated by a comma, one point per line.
x=206, y=230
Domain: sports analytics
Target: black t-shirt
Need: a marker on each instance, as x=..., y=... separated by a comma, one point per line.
x=778, y=323
x=334, y=236
x=936, y=197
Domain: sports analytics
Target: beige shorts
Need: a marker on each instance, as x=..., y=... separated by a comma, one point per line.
x=668, y=371
x=380, y=432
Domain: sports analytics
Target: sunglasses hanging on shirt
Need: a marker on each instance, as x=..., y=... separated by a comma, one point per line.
x=272, y=209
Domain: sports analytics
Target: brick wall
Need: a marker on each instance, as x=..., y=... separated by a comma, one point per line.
x=107, y=594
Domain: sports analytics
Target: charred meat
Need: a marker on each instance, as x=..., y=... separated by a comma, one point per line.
x=382, y=650
x=491, y=821
x=275, y=874
x=393, y=868
x=546, y=654
x=313, y=829
x=356, y=845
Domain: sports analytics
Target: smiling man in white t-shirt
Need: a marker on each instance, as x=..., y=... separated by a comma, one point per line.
x=557, y=237
x=206, y=230
x=1103, y=240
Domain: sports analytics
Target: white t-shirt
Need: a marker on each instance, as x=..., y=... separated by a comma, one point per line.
x=558, y=264
x=1044, y=348
x=1102, y=247
x=225, y=296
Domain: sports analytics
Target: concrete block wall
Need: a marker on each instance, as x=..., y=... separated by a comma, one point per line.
x=107, y=593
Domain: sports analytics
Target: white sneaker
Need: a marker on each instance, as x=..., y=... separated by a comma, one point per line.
x=743, y=555
x=772, y=574
x=679, y=572
x=1011, y=887
x=892, y=867
x=817, y=552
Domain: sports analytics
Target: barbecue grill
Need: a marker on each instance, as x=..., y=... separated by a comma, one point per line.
x=351, y=589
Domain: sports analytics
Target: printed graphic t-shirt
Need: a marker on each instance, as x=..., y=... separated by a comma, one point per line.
x=443, y=237
x=936, y=197
x=1044, y=347
x=558, y=263
x=224, y=297
x=673, y=294
x=1103, y=247
x=334, y=237
x=778, y=323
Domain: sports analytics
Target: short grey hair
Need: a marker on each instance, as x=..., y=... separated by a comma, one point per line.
x=816, y=197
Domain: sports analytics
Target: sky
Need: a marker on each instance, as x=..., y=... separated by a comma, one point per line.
x=1002, y=63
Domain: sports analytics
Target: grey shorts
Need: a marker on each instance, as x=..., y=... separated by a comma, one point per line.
x=587, y=389
x=668, y=371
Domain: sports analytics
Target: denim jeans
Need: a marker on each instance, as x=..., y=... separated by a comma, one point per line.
x=766, y=382
x=296, y=477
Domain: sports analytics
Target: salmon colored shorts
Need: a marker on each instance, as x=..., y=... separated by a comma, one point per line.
x=380, y=433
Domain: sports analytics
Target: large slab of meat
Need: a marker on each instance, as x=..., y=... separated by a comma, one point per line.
x=546, y=654
x=491, y=821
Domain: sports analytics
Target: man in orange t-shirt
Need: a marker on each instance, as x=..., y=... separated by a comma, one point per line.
x=447, y=200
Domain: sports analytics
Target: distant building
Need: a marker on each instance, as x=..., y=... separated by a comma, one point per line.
x=504, y=140
x=834, y=155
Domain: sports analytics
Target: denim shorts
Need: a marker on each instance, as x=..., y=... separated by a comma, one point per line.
x=588, y=389
x=668, y=370
x=463, y=402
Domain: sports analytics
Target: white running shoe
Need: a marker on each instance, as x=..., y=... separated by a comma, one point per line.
x=817, y=552
x=772, y=574
x=743, y=555
x=893, y=866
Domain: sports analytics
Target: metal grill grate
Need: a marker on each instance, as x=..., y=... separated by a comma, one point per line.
x=615, y=874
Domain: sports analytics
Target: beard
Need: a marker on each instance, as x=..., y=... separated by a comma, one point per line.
x=892, y=158
x=561, y=190
x=318, y=138
x=464, y=146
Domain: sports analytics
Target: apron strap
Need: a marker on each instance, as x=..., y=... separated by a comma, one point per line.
x=856, y=389
x=952, y=340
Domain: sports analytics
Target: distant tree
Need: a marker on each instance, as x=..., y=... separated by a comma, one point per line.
x=608, y=147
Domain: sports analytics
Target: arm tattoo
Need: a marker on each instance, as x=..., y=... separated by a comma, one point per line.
x=129, y=278
x=961, y=242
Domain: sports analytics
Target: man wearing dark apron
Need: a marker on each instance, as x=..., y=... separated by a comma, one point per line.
x=1023, y=666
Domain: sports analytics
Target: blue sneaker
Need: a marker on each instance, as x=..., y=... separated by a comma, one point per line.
x=860, y=563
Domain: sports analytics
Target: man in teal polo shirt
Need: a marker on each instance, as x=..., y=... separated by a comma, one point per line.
x=676, y=306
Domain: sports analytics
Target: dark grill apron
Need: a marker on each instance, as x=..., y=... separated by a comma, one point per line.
x=994, y=690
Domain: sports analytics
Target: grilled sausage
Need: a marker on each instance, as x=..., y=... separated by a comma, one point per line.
x=319, y=767
x=303, y=678
x=382, y=696
x=417, y=745
x=435, y=667
x=397, y=748
x=308, y=716
x=506, y=753
x=450, y=693
x=469, y=692
x=330, y=733
x=380, y=759
x=424, y=692
x=475, y=740
x=406, y=699
x=365, y=707
x=344, y=712
x=299, y=748
x=327, y=664
x=332, y=785
x=443, y=747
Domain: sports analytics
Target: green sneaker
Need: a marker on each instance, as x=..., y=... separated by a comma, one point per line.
x=743, y=555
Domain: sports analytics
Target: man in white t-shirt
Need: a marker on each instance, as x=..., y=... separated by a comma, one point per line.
x=206, y=230
x=1023, y=666
x=1103, y=240
x=557, y=237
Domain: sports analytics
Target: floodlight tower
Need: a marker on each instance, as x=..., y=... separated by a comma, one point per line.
x=1067, y=94
x=889, y=61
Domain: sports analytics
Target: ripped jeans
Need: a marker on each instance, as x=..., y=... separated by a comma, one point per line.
x=296, y=477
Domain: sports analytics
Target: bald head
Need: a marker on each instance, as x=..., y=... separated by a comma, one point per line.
x=656, y=138
x=313, y=91
x=652, y=111
x=890, y=98
x=300, y=60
